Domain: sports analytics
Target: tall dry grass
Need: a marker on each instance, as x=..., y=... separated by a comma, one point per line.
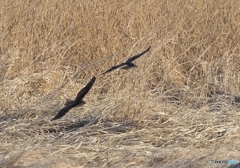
x=178, y=108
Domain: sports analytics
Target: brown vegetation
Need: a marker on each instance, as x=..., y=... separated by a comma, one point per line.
x=178, y=108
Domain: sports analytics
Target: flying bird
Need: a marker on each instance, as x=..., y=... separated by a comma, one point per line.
x=78, y=100
x=128, y=64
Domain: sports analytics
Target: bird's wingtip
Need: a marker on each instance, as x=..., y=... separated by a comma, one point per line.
x=93, y=78
x=55, y=118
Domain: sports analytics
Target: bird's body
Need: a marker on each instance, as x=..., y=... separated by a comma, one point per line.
x=128, y=64
x=69, y=101
x=78, y=100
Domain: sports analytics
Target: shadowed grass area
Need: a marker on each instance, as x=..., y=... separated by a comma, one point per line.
x=178, y=108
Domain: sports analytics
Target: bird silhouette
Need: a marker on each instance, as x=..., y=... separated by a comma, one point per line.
x=128, y=64
x=78, y=100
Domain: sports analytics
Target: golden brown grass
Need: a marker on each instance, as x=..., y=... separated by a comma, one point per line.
x=176, y=109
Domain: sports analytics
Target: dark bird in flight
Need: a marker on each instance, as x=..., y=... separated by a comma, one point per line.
x=78, y=100
x=128, y=64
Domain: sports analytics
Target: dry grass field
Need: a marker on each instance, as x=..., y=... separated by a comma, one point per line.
x=179, y=108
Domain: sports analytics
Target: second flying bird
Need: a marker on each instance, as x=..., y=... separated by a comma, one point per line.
x=128, y=64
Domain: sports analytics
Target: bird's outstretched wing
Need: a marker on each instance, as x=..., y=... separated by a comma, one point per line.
x=114, y=67
x=137, y=56
x=63, y=111
x=84, y=90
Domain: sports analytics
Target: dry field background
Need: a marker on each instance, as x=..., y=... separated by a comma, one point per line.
x=178, y=108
